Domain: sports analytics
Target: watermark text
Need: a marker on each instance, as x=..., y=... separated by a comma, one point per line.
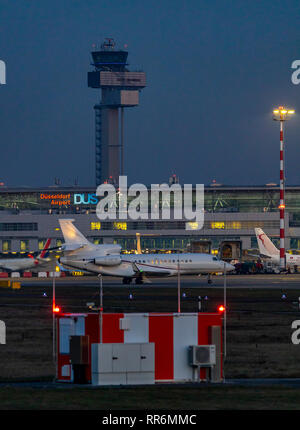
x=2, y=72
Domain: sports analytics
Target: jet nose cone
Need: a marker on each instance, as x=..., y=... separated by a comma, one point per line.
x=229, y=267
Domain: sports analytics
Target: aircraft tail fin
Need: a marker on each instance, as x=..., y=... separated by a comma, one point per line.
x=73, y=237
x=44, y=252
x=265, y=245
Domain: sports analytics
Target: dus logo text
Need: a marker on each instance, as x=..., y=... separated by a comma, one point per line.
x=85, y=199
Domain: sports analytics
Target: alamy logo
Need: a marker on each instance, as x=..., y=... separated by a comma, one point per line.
x=295, y=338
x=2, y=333
x=159, y=202
x=295, y=78
x=2, y=72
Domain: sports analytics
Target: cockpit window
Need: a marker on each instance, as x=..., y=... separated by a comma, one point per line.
x=215, y=259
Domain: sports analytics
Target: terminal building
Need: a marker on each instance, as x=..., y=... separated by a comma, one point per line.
x=28, y=216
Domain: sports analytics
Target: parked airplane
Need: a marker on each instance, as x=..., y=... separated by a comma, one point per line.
x=268, y=249
x=25, y=263
x=81, y=254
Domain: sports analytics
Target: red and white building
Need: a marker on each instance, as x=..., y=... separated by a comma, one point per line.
x=171, y=333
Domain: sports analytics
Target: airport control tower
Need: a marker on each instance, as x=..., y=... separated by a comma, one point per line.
x=119, y=88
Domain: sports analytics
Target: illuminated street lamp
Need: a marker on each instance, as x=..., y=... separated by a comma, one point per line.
x=282, y=114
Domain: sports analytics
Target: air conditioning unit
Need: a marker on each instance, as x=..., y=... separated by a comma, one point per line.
x=202, y=355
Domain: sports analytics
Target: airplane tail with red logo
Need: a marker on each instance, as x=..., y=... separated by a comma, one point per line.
x=44, y=252
x=43, y=255
x=265, y=245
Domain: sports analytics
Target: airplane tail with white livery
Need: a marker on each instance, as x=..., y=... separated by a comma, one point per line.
x=269, y=250
x=76, y=242
x=265, y=245
x=74, y=239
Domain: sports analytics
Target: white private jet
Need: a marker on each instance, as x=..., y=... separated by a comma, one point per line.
x=25, y=263
x=268, y=249
x=81, y=254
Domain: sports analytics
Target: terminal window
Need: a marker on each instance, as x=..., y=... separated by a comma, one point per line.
x=95, y=225
x=192, y=225
x=218, y=225
x=18, y=226
x=120, y=226
x=41, y=244
x=6, y=245
x=24, y=245
x=295, y=243
x=58, y=242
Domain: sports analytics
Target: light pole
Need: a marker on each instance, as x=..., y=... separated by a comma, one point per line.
x=225, y=312
x=282, y=114
x=53, y=317
x=178, y=285
x=55, y=310
x=101, y=309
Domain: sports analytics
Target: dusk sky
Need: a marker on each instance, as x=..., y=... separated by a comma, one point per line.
x=215, y=70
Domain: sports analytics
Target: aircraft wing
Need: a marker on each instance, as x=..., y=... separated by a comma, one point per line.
x=7, y=269
x=259, y=255
x=14, y=268
x=71, y=247
x=265, y=256
x=152, y=271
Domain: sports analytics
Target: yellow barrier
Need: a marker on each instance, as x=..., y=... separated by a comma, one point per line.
x=16, y=285
x=5, y=284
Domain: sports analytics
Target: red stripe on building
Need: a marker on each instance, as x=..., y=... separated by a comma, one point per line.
x=111, y=328
x=161, y=333
x=63, y=360
x=92, y=328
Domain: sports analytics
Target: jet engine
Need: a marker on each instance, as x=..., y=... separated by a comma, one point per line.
x=108, y=260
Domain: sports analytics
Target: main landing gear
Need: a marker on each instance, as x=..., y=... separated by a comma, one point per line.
x=138, y=280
